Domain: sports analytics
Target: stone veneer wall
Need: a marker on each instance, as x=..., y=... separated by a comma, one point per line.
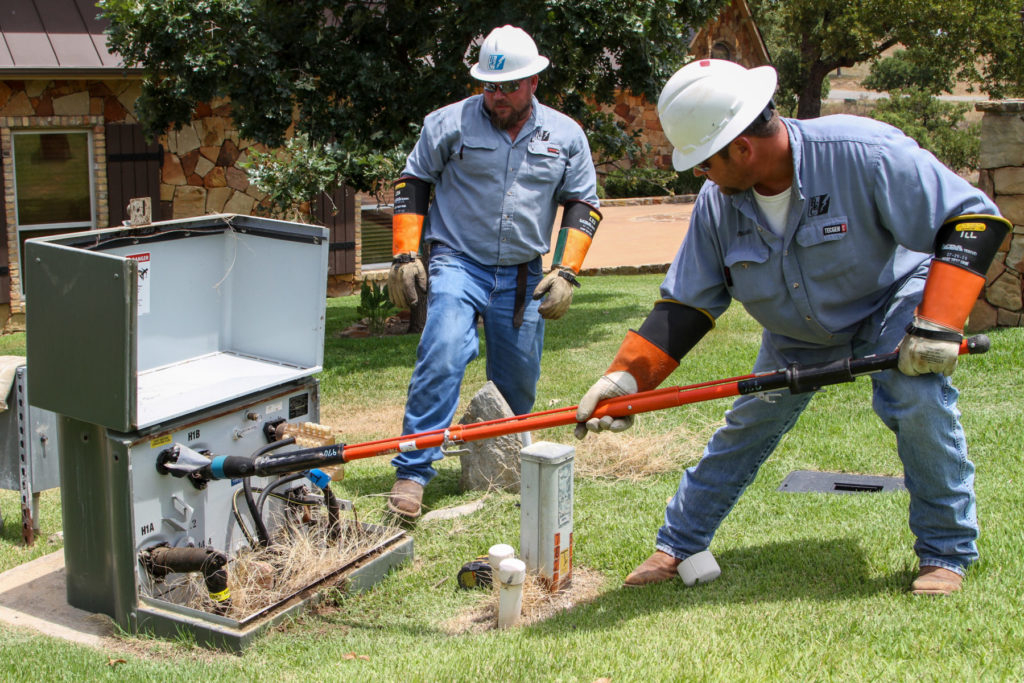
x=1002, y=177
x=637, y=114
x=201, y=172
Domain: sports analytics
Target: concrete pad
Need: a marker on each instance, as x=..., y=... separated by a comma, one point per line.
x=34, y=595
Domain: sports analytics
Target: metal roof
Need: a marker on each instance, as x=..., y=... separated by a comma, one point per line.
x=54, y=37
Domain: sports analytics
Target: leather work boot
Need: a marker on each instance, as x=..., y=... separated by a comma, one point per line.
x=936, y=581
x=406, y=496
x=655, y=569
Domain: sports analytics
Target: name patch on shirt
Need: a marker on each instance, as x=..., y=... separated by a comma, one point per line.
x=833, y=229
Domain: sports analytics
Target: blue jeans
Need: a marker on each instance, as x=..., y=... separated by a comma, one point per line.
x=921, y=411
x=460, y=291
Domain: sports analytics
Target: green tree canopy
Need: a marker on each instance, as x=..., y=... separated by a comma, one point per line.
x=360, y=75
x=978, y=41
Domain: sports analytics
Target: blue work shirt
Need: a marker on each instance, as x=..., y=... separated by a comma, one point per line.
x=495, y=200
x=866, y=205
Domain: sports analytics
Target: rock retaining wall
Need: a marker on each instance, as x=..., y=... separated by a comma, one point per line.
x=1002, y=177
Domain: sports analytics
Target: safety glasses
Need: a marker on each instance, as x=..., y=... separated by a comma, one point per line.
x=507, y=87
x=703, y=166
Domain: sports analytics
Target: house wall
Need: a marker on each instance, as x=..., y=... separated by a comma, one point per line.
x=198, y=171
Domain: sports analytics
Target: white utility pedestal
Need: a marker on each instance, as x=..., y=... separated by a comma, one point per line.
x=546, y=495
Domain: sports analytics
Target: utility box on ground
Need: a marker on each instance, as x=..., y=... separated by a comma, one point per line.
x=181, y=341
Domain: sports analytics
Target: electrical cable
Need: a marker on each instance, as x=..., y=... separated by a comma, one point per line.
x=257, y=518
x=274, y=485
x=253, y=543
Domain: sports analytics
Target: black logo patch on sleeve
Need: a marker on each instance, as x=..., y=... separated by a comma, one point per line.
x=835, y=229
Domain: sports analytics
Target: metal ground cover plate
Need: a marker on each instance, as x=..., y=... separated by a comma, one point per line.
x=807, y=481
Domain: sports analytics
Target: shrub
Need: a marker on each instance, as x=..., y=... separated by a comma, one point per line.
x=375, y=306
x=649, y=182
x=937, y=126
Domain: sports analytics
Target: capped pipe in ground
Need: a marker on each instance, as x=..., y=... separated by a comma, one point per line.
x=511, y=574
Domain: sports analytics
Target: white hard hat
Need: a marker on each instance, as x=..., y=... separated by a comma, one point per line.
x=709, y=102
x=508, y=54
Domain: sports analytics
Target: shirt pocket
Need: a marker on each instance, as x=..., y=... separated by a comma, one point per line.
x=825, y=249
x=545, y=162
x=476, y=156
x=747, y=272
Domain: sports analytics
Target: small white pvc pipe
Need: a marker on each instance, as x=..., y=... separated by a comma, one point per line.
x=511, y=574
x=499, y=552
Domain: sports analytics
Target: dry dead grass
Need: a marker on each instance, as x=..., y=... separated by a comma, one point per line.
x=367, y=423
x=538, y=603
x=300, y=557
x=634, y=455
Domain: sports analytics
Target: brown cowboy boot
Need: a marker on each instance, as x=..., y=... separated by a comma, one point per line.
x=406, y=498
x=936, y=581
x=655, y=569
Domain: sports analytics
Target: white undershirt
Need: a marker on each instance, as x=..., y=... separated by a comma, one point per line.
x=775, y=209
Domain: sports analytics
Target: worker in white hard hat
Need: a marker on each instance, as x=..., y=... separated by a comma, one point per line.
x=842, y=238
x=500, y=164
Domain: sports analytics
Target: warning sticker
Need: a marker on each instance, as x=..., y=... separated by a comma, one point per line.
x=145, y=275
x=160, y=441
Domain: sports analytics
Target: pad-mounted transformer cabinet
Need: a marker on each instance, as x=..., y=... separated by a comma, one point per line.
x=196, y=333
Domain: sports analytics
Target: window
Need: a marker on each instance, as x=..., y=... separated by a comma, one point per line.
x=721, y=50
x=376, y=236
x=53, y=182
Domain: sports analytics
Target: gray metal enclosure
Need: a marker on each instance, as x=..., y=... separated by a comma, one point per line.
x=128, y=328
x=194, y=334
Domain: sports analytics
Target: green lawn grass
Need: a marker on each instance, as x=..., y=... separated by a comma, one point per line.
x=813, y=586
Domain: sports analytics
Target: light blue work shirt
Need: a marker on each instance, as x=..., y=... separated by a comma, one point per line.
x=866, y=204
x=495, y=200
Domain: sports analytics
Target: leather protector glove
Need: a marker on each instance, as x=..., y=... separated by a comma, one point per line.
x=557, y=285
x=612, y=385
x=407, y=281
x=929, y=347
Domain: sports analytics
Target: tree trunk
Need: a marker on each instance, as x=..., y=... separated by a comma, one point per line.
x=809, y=105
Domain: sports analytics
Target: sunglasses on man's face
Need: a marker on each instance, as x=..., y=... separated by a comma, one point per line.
x=703, y=166
x=508, y=87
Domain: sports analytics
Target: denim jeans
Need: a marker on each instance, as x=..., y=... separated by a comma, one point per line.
x=461, y=291
x=921, y=411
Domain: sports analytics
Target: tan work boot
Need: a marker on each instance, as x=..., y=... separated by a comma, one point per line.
x=936, y=581
x=406, y=498
x=655, y=569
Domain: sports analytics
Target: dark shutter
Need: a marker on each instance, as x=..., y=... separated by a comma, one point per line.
x=133, y=170
x=338, y=213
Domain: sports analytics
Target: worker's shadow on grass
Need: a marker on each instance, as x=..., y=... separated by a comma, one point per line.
x=801, y=570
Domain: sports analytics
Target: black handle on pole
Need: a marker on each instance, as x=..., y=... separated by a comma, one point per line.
x=803, y=378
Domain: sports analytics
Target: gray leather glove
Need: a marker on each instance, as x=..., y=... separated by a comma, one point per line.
x=929, y=347
x=557, y=284
x=618, y=383
x=407, y=281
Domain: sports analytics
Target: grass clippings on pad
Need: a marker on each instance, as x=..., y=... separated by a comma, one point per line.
x=258, y=579
x=538, y=603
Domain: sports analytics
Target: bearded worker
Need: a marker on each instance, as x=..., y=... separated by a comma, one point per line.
x=500, y=165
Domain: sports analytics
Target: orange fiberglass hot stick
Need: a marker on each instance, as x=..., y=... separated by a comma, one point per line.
x=796, y=378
